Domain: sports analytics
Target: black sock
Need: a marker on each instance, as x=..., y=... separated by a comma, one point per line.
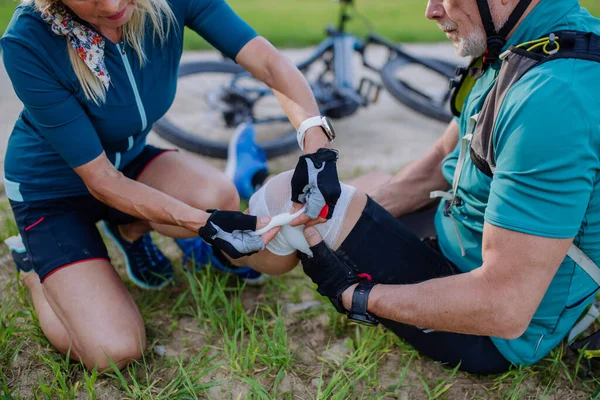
x=259, y=178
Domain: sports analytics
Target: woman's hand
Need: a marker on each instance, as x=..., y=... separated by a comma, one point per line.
x=232, y=232
x=315, y=183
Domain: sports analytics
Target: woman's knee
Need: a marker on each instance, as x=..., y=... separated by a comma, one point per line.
x=122, y=348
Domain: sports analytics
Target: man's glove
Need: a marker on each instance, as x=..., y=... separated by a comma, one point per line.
x=315, y=182
x=331, y=275
x=230, y=231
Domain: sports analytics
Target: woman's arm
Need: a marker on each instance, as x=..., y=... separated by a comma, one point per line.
x=265, y=63
x=217, y=23
x=111, y=187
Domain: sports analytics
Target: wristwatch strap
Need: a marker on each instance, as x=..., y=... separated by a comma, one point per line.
x=306, y=125
x=360, y=300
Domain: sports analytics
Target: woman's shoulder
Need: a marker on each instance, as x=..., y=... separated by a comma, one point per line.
x=182, y=7
x=27, y=27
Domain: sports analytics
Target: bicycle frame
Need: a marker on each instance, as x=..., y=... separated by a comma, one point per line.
x=342, y=46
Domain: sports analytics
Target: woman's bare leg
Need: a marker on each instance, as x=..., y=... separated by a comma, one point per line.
x=85, y=308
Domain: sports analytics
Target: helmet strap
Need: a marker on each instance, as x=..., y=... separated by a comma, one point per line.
x=497, y=40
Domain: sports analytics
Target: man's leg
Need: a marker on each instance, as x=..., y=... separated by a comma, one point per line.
x=370, y=181
x=386, y=251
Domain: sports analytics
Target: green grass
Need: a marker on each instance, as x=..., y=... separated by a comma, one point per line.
x=210, y=337
x=291, y=23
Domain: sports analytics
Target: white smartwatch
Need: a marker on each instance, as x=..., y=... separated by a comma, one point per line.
x=311, y=122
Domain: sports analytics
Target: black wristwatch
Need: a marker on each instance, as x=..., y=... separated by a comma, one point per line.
x=358, y=312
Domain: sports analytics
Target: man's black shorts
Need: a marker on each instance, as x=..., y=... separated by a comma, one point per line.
x=382, y=249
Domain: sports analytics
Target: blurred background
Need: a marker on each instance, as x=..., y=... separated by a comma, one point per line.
x=289, y=23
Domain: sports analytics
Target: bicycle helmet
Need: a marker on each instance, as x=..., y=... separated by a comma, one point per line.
x=497, y=39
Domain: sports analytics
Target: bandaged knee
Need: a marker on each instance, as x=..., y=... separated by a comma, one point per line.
x=274, y=198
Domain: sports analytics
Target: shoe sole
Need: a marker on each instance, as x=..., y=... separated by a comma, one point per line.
x=232, y=153
x=130, y=275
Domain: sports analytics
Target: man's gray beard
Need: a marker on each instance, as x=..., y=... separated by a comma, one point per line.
x=473, y=45
x=476, y=44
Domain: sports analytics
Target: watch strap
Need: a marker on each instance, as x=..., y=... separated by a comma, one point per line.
x=360, y=301
x=360, y=298
x=306, y=125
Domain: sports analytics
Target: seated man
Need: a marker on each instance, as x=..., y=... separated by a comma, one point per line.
x=519, y=238
x=375, y=246
x=519, y=233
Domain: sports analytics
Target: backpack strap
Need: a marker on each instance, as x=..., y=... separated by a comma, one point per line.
x=577, y=45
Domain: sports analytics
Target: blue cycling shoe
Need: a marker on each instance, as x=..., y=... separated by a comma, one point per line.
x=196, y=250
x=146, y=265
x=201, y=254
x=245, y=159
x=247, y=274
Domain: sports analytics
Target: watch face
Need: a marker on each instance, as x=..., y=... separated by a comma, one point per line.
x=328, y=126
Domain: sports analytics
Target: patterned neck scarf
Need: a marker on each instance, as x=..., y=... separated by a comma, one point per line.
x=88, y=44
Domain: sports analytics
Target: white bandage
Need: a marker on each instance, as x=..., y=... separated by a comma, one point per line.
x=280, y=220
x=274, y=199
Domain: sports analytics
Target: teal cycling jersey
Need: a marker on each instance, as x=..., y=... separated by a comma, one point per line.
x=59, y=129
x=547, y=150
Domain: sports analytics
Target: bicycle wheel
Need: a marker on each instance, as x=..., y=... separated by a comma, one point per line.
x=213, y=98
x=419, y=87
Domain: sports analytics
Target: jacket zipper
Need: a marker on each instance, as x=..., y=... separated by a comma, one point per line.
x=138, y=99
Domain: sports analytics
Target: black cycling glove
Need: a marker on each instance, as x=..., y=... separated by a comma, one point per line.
x=331, y=275
x=315, y=182
x=230, y=231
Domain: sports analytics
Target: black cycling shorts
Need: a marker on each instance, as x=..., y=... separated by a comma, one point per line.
x=382, y=248
x=61, y=232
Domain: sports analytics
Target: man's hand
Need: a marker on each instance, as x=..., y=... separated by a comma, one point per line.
x=315, y=183
x=232, y=232
x=331, y=275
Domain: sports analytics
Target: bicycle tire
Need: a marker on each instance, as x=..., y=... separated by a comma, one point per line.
x=170, y=131
x=413, y=98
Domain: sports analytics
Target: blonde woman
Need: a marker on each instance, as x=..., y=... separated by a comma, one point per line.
x=94, y=75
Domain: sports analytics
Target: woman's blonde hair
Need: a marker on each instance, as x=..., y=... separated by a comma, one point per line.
x=157, y=12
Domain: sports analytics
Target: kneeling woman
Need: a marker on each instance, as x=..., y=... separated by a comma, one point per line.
x=369, y=244
x=94, y=75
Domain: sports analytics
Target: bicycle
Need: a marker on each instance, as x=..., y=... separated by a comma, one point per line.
x=233, y=96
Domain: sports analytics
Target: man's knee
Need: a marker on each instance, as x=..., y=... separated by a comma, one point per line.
x=126, y=346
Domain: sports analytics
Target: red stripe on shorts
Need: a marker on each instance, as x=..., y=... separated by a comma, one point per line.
x=34, y=224
x=73, y=263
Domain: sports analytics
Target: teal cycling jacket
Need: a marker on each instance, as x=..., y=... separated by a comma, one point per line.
x=547, y=179
x=59, y=129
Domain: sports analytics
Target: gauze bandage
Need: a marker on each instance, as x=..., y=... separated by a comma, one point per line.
x=274, y=199
x=280, y=220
